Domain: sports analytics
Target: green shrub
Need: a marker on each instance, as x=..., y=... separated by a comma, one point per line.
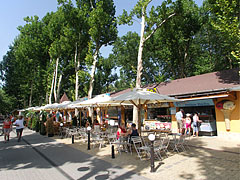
x=30, y=123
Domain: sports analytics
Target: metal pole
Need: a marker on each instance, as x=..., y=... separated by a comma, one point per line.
x=61, y=132
x=152, y=157
x=113, y=153
x=72, y=139
x=88, y=140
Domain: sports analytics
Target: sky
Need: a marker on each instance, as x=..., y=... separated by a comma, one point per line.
x=12, y=13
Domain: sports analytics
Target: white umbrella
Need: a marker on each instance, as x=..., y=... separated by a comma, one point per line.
x=63, y=105
x=99, y=100
x=50, y=106
x=139, y=97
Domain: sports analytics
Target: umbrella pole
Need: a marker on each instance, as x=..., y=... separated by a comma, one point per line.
x=80, y=118
x=139, y=118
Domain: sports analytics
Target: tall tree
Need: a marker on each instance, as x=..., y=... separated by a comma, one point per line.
x=150, y=23
x=225, y=15
x=103, y=31
x=78, y=37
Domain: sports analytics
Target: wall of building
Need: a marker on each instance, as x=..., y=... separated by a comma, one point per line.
x=234, y=117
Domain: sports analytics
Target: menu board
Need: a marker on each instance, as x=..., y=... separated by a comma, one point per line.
x=151, y=124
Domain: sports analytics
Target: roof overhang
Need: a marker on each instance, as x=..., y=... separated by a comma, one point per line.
x=235, y=88
x=207, y=97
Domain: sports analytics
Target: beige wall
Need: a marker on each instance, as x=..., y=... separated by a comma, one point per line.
x=234, y=117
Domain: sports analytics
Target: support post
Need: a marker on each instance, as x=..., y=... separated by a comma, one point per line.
x=113, y=152
x=72, y=139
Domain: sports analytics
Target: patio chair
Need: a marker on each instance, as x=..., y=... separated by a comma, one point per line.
x=165, y=143
x=179, y=143
x=140, y=147
x=186, y=140
x=97, y=140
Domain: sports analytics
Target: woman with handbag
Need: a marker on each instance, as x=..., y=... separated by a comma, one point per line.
x=196, y=124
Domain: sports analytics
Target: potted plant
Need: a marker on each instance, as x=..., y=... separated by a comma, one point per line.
x=50, y=127
x=42, y=128
x=42, y=121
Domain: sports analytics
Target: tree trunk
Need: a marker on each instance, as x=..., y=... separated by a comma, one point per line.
x=139, y=67
x=92, y=74
x=51, y=91
x=92, y=80
x=77, y=64
x=59, y=85
x=31, y=92
x=55, y=81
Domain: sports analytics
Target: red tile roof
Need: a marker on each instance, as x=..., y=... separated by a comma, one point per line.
x=210, y=82
x=64, y=98
x=215, y=81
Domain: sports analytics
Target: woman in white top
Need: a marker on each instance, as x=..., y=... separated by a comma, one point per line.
x=195, y=124
x=19, y=127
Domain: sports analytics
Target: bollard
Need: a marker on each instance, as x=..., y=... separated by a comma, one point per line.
x=152, y=157
x=72, y=139
x=88, y=140
x=151, y=137
x=113, y=152
x=61, y=133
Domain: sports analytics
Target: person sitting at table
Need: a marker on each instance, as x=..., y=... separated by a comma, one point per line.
x=104, y=125
x=87, y=124
x=121, y=131
x=96, y=125
x=132, y=132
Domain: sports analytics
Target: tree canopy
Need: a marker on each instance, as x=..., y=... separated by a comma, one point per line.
x=62, y=51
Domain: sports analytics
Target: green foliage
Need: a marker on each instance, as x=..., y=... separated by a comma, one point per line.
x=6, y=102
x=194, y=41
x=225, y=18
x=29, y=123
x=35, y=122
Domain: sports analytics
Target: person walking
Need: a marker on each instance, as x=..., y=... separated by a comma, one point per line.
x=179, y=117
x=19, y=127
x=196, y=122
x=7, y=127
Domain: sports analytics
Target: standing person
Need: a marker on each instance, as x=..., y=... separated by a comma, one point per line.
x=179, y=117
x=187, y=124
x=195, y=124
x=7, y=126
x=19, y=127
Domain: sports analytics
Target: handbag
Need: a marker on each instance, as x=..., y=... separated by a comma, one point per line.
x=199, y=124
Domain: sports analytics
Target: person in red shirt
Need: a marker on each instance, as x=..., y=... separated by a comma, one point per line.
x=121, y=131
x=7, y=127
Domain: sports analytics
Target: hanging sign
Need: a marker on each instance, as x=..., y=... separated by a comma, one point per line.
x=193, y=103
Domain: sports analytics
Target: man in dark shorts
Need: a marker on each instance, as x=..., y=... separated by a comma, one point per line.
x=19, y=127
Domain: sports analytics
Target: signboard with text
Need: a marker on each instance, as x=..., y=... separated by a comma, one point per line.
x=194, y=103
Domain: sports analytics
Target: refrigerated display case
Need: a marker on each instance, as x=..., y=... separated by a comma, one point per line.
x=208, y=125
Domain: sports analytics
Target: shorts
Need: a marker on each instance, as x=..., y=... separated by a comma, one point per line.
x=7, y=130
x=195, y=128
x=19, y=130
x=179, y=124
x=188, y=125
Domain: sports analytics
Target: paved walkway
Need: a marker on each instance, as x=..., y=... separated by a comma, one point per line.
x=39, y=157
x=209, y=158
